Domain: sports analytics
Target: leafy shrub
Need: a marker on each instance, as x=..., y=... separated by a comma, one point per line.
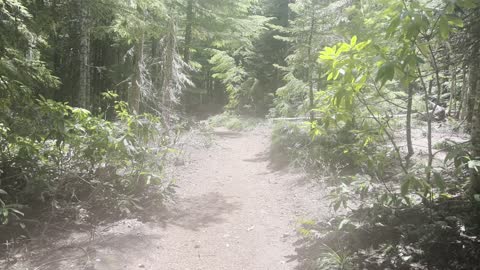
x=336, y=149
x=233, y=122
x=66, y=159
x=441, y=237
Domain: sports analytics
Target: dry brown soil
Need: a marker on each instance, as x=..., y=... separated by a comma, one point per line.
x=232, y=211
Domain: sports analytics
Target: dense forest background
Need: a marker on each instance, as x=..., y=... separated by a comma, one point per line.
x=95, y=93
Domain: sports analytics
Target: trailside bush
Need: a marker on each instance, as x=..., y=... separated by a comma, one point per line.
x=64, y=159
x=233, y=122
x=339, y=149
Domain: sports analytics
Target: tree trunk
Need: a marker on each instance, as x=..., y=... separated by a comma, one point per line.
x=470, y=102
x=84, y=53
x=452, y=103
x=409, y=124
x=463, y=94
x=310, y=64
x=474, y=37
x=134, y=93
x=429, y=126
x=475, y=126
x=168, y=69
x=188, y=31
x=438, y=83
x=284, y=13
x=475, y=135
x=156, y=68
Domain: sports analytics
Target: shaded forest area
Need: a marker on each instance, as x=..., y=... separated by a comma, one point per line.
x=94, y=95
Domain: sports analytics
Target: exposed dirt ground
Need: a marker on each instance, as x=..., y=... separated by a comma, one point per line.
x=232, y=211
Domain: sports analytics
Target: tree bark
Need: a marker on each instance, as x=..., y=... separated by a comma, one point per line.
x=470, y=102
x=474, y=37
x=310, y=63
x=475, y=126
x=84, y=56
x=168, y=68
x=188, y=31
x=475, y=136
x=462, y=94
x=134, y=93
x=438, y=83
x=156, y=69
x=452, y=104
x=409, y=125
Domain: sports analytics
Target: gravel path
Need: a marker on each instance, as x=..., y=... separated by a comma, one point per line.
x=232, y=211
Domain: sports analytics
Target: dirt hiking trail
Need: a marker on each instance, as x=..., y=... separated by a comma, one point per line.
x=231, y=211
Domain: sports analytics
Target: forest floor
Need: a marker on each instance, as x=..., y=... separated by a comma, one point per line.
x=232, y=210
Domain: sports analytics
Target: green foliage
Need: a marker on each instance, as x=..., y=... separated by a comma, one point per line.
x=398, y=214
x=398, y=238
x=134, y=18
x=337, y=150
x=291, y=99
x=62, y=155
x=8, y=211
x=231, y=75
x=233, y=122
x=332, y=259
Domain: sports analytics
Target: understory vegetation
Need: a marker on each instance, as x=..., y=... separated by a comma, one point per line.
x=366, y=107
x=63, y=163
x=233, y=121
x=378, y=100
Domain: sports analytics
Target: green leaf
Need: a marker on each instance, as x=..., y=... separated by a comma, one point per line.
x=353, y=42
x=405, y=186
x=360, y=46
x=455, y=21
x=386, y=73
x=413, y=30
x=444, y=28
x=330, y=76
x=344, y=222
x=17, y=212
x=468, y=3
x=327, y=54
x=439, y=181
x=4, y=212
x=474, y=164
x=423, y=47
x=3, y=192
x=393, y=26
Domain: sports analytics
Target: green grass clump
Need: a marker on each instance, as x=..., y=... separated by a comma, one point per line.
x=233, y=122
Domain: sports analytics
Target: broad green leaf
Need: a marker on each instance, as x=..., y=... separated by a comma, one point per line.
x=443, y=27
x=455, y=21
x=360, y=46
x=353, y=42
x=393, y=26
x=17, y=211
x=405, y=186
x=385, y=73
x=439, y=181
x=423, y=47
x=344, y=47
x=344, y=222
x=337, y=205
x=474, y=164
x=330, y=76
x=413, y=28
